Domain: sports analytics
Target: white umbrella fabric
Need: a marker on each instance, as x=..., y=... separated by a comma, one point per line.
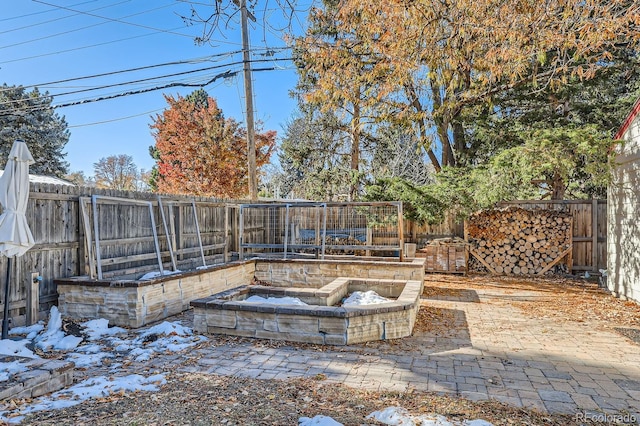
x=15, y=235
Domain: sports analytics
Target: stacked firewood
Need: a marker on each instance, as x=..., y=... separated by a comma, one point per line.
x=520, y=242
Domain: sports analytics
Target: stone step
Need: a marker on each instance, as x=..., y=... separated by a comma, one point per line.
x=42, y=377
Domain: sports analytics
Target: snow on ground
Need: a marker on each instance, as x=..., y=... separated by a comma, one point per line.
x=53, y=337
x=9, y=368
x=30, y=331
x=358, y=298
x=95, y=387
x=156, y=274
x=318, y=421
x=16, y=348
x=396, y=416
x=101, y=342
x=98, y=343
x=401, y=417
x=275, y=300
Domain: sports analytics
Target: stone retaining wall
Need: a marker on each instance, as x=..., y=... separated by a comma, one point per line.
x=317, y=273
x=320, y=324
x=129, y=303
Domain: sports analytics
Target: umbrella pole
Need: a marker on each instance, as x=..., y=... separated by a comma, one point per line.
x=5, y=318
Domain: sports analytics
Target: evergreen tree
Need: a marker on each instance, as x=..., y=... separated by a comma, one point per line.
x=30, y=117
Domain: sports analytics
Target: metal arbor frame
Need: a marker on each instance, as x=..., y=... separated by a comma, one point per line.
x=322, y=231
x=93, y=241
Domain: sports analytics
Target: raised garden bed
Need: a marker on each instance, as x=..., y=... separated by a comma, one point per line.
x=322, y=321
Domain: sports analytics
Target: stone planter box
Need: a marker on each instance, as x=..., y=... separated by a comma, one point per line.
x=320, y=322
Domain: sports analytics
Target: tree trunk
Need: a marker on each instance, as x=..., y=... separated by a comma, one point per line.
x=415, y=102
x=558, y=187
x=355, y=152
x=459, y=143
x=442, y=126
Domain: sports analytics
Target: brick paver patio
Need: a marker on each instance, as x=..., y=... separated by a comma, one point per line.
x=493, y=351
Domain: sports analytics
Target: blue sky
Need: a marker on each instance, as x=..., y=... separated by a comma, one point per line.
x=51, y=40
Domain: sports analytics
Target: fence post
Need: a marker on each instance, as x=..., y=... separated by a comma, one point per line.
x=594, y=234
x=400, y=231
x=33, y=299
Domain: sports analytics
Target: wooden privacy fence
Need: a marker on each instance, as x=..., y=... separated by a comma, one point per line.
x=421, y=234
x=65, y=227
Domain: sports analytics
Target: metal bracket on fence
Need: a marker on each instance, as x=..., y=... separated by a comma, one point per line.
x=96, y=226
x=324, y=228
x=286, y=231
x=195, y=218
x=166, y=232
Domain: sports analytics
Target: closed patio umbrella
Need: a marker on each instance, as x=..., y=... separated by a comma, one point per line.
x=15, y=235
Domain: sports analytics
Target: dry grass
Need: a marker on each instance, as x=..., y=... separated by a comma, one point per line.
x=562, y=299
x=198, y=399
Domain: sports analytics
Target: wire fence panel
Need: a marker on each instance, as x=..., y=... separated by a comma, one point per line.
x=319, y=229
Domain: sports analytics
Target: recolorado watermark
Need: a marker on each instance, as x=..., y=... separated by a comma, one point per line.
x=631, y=419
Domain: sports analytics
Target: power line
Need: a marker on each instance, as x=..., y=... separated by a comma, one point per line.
x=105, y=43
x=119, y=118
x=95, y=25
x=115, y=119
x=85, y=47
x=42, y=11
x=119, y=19
x=133, y=81
x=105, y=74
x=226, y=74
x=269, y=51
x=61, y=18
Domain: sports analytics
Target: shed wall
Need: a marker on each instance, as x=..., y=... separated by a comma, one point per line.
x=623, y=223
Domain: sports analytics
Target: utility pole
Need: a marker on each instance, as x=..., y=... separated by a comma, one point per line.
x=248, y=94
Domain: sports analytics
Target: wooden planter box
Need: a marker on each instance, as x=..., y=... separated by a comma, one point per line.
x=445, y=257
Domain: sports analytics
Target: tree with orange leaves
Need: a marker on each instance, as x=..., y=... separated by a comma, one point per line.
x=422, y=63
x=200, y=152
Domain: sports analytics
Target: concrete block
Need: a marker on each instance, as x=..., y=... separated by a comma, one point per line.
x=262, y=267
x=199, y=321
x=221, y=318
x=57, y=366
x=32, y=378
x=297, y=323
x=79, y=310
x=332, y=325
x=54, y=383
x=252, y=320
x=364, y=333
x=335, y=339
x=270, y=325
x=10, y=390
x=291, y=336
x=83, y=297
x=364, y=320
x=397, y=329
x=155, y=311
x=231, y=331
